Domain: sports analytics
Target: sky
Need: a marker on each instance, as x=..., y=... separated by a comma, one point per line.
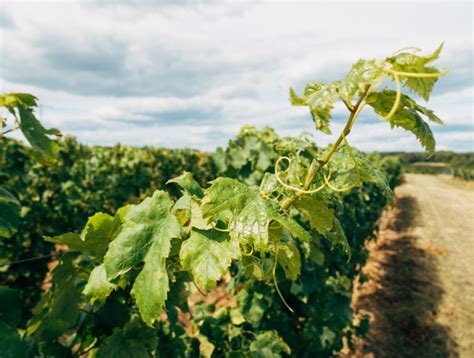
x=190, y=74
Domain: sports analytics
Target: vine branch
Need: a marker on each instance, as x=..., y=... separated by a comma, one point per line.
x=315, y=168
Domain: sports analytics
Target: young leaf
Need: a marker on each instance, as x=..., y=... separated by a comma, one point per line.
x=406, y=117
x=412, y=122
x=410, y=103
x=361, y=75
x=408, y=62
x=320, y=99
x=295, y=100
x=208, y=255
x=269, y=184
x=320, y=105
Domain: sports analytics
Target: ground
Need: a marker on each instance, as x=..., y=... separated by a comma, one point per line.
x=420, y=274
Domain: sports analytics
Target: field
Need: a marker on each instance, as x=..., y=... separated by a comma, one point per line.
x=271, y=246
x=414, y=290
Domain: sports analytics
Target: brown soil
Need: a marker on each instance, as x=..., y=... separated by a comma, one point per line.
x=420, y=288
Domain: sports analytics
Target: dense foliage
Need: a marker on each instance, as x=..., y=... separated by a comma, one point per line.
x=286, y=224
x=319, y=299
x=83, y=180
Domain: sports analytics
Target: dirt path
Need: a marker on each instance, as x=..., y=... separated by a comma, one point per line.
x=420, y=292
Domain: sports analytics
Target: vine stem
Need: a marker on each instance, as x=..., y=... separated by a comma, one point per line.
x=10, y=130
x=418, y=75
x=397, y=97
x=314, y=168
x=275, y=282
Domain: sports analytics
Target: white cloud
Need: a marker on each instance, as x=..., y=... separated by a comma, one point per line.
x=175, y=75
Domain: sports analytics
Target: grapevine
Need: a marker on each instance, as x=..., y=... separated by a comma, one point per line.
x=267, y=229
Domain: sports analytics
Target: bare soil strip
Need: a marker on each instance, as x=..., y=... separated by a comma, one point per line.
x=420, y=288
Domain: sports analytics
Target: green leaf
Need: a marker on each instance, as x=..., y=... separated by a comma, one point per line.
x=327, y=337
x=295, y=229
x=206, y=348
x=9, y=213
x=315, y=210
x=320, y=99
x=371, y=174
x=53, y=349
x=146, y=237
x=98, y=288
x=317, y=256
x=208, y=255
x=290, y=259
x=250, y=226
x=410, y=103
x=57, y=311
x=219, y=158
x=294, y=144
x=226, y=194
x=252, y=305
x=350, y=165
x=375, y=176
x=11, y=345
x=269, y=184
x=236, y=317
x=361, y=75
x=408, y=62
x=10, y=306
x=14, y=99
x=152, y=283
x=269, y=345
x=36, y=135
x=94, y=239
x=188, y=210
x=295, y=100
x=143, y=224
x=406, y=117
x=320, y=104
x=422, y=86
x=131, y=341
x=188, y=184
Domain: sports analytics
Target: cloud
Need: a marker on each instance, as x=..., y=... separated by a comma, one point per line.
x=190, y=74
x=6, y=21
